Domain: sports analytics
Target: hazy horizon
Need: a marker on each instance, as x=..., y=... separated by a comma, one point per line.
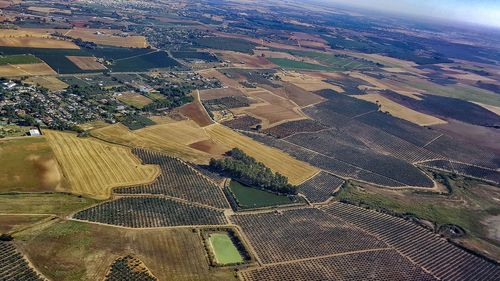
x=483, y=12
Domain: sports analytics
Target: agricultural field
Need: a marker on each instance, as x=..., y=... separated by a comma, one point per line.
x=196, y=112
x=185, y=55
x=179, y=180
x=292, y=64
x=150, y=212
x=389, y=264
x=424, y=248
x=295, y=127
x=107, y=37
x=135, y=99
x=56, y=204
x=14, y=266
x=30, y=69
x=277, y=161
x=211, y=94
x=86, y=63
x=29, y=164
x=14, y=223
x=224, y=250
x=118, y=133
x=145, y=62
x=129, y=267
x=93, y=168
x=246, y=197
x=400, y=111
x=244, y=122
x=19, y=59
x=50, y=83
x=301, y=234
x=82, y=251
x=309, y=82
x=27, y=38
x=321, y=187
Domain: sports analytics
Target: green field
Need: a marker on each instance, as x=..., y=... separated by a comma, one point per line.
x=292, y=64
x=329, y=59
x=145, y=62
x=248, y=197
x=42, y=203
x=19, y=59
x=224, y=249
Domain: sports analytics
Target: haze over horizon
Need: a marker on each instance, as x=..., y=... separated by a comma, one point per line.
x=483, y=12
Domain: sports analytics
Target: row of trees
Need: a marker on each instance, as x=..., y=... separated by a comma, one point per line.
x=246, y=169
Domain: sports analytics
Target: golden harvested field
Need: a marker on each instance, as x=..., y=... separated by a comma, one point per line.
x=400, y=111
x=33, y=38
x=26, y=70
x=89, y=34
x=296, y=171
x=28, y=164
x=135, y=99
x=93, y=168
x=49, y=10
x=82, y=251
x=308, y=82
x=86, y=63
x=118, y=133
x=182, y=132
x=51, y=83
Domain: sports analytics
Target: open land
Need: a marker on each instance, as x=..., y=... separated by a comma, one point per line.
x=86, y=63
x=50, y=83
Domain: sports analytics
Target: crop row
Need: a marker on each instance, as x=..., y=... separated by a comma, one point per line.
x=302, y=233
x=242, y=123
x=177, y=179
x=13, y=266
x=140, y=212
x=428, y=250
x=319, y=188
x=340, y=146
x=374, y=265
x=325, y=162
x=293, y=127
x=476, y=172
x=129, y=268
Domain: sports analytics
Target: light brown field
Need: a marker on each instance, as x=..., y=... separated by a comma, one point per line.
x=86, y=63
x=400, y=111
x=270, y=108
x=296, y=94
x=28, y=164
x=51, y=83
x=220, y=93
x=13, y=223
x=213, y=73
x=386, y=84
x=26, y=70
x=308, y=82
x=209, y=146
x=49, y=10
x=246, y=61
x=33, y=38
x=88, y=34
x=196, y=112
x=296, y=171
x=135, y=99
x=81, y=251
x=118, y=133
x=93, y=168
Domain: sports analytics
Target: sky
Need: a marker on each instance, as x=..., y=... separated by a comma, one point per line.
x=484, y=12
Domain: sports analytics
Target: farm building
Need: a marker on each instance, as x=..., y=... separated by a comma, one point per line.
x=34, y=132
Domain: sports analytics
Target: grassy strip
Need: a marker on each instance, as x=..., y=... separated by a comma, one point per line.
x=292, y=64
x=19, y=59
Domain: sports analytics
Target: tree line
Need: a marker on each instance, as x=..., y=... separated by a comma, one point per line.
x=246, y=169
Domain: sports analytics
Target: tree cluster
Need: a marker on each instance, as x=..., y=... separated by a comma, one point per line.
x=246, y=169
